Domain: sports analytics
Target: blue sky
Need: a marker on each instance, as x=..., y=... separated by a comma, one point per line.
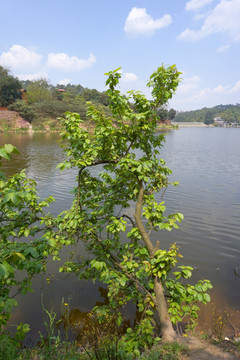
x=77, y=41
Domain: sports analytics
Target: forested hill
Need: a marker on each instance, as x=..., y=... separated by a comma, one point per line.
x=228, y=113
x=71, y=90
x=42, y=104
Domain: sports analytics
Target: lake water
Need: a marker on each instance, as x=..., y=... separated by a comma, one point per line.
x=206, y=163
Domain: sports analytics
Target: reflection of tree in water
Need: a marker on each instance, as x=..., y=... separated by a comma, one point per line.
x=39, y=154
x=18, y=161
x=87, y=328
x=237, y=272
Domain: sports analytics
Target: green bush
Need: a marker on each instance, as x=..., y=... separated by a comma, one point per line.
x=55, y=108
x=25, y=111
x=50, y=108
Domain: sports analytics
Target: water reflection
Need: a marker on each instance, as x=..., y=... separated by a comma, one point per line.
x=85, y=328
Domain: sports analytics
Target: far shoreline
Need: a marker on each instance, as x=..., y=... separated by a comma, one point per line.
x=191, y=124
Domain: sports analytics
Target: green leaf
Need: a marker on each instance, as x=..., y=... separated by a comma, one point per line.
x=149, y=312
x=20, y=255
x=4, y=154
x=206, y=297
x=136, y=352
x=129, y=265
x=9, y=268
x=33, y=251
x=12, y=197
x=11, y=149
x=3, y=270
x=26, y=232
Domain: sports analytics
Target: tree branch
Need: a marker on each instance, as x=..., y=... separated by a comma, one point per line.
x=129, y=218
x=138, y=218
x=115, y=261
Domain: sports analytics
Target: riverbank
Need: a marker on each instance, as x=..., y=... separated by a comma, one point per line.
x=189, y=124
x=184, y=348
x=10, y=121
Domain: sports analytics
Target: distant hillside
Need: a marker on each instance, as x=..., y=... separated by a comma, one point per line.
x=228, y=113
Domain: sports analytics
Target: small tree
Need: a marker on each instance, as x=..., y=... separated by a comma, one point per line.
x=111, y=177
x=25, y=111
x=172, y=114
x=9, y=88
x=208, y=119
x=162, y=113
x=38, y=91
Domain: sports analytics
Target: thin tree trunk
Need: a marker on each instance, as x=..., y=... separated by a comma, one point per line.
x=166, y=328
x=167, y=331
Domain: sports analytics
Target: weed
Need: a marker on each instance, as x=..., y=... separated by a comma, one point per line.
x=8, y=348
x=204, y=335
x=65, y=317
x=167, y=351
x=219, y=322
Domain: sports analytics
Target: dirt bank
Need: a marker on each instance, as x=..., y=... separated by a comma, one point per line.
x=204, y=350
x=11, y=121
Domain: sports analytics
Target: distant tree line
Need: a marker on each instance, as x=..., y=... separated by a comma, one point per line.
x=38, y=101
x=46, y=101
x=166, y=114
x=228, y=113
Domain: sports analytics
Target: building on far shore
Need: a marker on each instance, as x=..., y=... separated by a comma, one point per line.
x=219, y=121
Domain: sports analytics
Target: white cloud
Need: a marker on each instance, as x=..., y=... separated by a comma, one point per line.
x=223, y=48
x=64, y=82
x=27, y=64
x=236, y=87
x=20, y=57
x=34, y=76
x=191, y=96
x=198, y=17
x=187, y=88
x=194, y=79
x=129, y=77
x=139, y=23
x=224, y=19
x=188, y=35
x=189, y=85
x=69, y=63
x=196, y=4
x=220, y=89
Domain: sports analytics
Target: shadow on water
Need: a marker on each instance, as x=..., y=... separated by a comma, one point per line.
x=86, y=329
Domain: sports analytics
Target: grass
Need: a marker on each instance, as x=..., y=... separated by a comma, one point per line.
x=167, y=351
x=70, y=351
x=96, y=343
x=65, y=351
x=8, y=350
